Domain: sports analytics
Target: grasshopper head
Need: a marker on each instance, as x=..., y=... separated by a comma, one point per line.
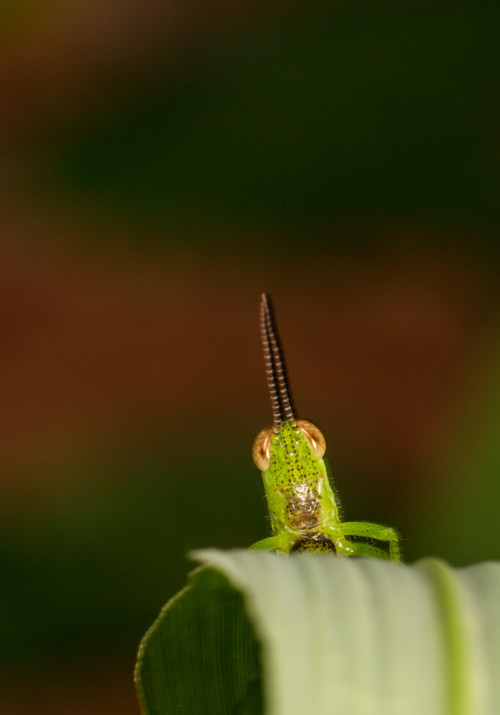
x=261, y=452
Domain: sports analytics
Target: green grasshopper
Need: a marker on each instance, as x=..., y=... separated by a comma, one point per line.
x=302, y=504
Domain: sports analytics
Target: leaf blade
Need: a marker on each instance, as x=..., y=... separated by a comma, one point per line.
x=360, y=637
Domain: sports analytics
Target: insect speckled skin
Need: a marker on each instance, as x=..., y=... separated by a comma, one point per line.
x=302, y=506
x=297, y=485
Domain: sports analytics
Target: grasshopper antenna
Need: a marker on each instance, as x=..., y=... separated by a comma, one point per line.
x=277, y=381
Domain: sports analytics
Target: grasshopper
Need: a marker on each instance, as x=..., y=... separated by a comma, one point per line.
x=302, y=503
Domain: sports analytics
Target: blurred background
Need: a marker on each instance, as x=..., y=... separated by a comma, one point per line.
x=161, y=165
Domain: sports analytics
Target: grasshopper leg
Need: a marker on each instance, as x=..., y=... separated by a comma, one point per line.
x=374, y=531
x=360, y=549
x=272, y=543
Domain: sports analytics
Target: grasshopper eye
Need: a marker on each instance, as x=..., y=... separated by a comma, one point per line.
x=314, y=437
x=260, y=451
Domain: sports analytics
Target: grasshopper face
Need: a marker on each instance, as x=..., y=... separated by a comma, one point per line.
x=281, y=444
x=289, y=456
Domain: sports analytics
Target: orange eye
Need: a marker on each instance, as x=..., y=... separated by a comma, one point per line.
x=260, y=450
x=314, y=436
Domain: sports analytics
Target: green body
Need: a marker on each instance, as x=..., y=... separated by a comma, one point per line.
x=302, y=505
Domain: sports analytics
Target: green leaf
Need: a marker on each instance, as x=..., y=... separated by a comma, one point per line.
x=255, y=632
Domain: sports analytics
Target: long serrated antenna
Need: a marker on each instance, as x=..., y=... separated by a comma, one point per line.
x=281, y=401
